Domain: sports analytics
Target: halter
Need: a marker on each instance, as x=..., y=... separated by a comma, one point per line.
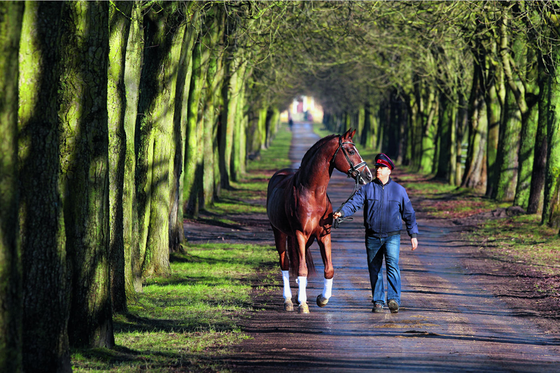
x=353, y=171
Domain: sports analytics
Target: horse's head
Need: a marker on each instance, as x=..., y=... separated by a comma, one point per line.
x=347, y=159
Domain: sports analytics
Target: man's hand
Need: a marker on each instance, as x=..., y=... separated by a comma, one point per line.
x=336, y=215
x=414, y=242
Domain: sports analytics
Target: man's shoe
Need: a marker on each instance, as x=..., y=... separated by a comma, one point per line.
x=377, y=308
x=393, y=306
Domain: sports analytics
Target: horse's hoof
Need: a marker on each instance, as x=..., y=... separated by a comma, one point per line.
x=303, y=308
x=288, y=305
x=322, y=301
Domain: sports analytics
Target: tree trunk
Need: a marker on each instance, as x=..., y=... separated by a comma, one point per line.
x=162, y=60
x=551, y=205
x=541, y=145
x=446, y=121
x=230, y=95
x=133, y=69
x=176, y=235
x=361, y=123
x=412, y=112
x=120, y=13
x=239, y=148
x=508, y=147
x=416, y=128
x=495, y=100
x=193, y=153
x=429, y=132
x=46, y=290
x=214, y=81
x=84, y=153
x=508, y=151
x=478, y=129
x=525, y=71
x=371, y=128
x=190, y=190
x=526, y=158
x=11, y=307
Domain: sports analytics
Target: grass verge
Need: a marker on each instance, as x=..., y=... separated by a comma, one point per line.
x=523, y=240
x=187, y=320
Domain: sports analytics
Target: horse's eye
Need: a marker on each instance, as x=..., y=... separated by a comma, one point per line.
x=351, y=152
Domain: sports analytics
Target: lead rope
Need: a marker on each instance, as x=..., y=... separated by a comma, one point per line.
x=337, y=221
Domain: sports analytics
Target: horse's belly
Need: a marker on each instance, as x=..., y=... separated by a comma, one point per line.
x=276, y=210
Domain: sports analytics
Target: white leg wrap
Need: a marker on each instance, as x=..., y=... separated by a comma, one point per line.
x=327, y=289
x=302, y=295
x=287, y=290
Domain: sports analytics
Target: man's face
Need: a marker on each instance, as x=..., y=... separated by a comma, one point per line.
x=382, y=172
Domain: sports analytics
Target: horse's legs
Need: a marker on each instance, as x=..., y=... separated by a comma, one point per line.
x=280, y=240
x=325, y=248
x=302, y=272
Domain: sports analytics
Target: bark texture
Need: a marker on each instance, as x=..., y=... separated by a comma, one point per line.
x=11, y=15
x=46, y=289
x=84, y=162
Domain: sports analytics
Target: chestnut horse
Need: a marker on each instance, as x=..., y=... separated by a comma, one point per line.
x=300, y=211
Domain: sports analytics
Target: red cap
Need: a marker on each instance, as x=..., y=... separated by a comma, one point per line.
x=383, y=160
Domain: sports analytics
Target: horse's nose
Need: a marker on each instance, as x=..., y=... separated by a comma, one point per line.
x=367, y=175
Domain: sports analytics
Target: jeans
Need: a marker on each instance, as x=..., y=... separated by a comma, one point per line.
x=376, y=248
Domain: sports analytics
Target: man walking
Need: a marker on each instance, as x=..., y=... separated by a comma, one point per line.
x=386, y=205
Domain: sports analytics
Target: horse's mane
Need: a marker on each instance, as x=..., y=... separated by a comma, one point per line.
x=310, y=154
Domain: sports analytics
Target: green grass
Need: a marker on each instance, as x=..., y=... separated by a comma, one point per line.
x=521, y=239
x=188, y=318
x=247, y=196
x=275, y=157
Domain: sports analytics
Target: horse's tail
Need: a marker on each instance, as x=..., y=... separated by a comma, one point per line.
x=294, y=257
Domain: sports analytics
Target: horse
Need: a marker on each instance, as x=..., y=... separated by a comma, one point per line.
x=300, y=211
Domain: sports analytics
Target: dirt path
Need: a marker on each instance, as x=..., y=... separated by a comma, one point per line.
x=449, y=321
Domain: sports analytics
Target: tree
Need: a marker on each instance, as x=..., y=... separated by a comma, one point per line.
x=165, y=35
x=210, y=120
x=541, y=144
x=193, y=154
x=180, y=120
x=46, y=289
x=116, y=104
x=131, y=227
x=11, y=306
x=82, y=112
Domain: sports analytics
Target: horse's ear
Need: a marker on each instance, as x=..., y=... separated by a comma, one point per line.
x=349, y=134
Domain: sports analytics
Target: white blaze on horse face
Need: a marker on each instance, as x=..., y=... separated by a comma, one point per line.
x=365, y=175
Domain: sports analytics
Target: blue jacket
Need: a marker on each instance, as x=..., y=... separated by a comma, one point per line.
x=385, y=207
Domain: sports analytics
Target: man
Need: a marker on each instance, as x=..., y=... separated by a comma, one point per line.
x=386, y=205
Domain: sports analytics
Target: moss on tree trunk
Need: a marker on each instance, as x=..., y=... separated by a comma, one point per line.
x=84, y=162
x=46, y=290
x=11, y=15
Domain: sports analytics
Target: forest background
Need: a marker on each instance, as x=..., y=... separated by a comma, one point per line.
x=119, y=119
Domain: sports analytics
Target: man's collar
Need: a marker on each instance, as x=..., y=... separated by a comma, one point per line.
x=380, y=183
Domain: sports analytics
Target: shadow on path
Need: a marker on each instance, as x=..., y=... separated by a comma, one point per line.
x=447, y=322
